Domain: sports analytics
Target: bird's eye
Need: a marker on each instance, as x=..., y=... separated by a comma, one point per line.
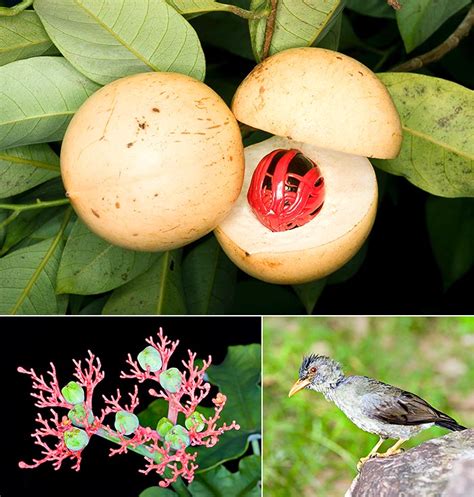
x=312, y=370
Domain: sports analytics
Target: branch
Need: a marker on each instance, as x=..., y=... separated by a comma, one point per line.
x=270, y=27
x=441, y=50
x=245, y=14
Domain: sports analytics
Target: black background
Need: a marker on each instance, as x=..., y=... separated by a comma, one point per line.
x=35, y=342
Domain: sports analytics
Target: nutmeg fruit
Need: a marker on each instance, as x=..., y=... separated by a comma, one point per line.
x=336, y=112
x=153, y=161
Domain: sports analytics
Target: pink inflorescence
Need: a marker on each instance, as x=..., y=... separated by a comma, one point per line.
x=65, y=437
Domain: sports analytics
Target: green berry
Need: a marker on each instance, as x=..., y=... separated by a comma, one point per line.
x=73, y=393
x=80, y=415
x=178, y=437
x=196, y=421
x=75, y=439
x=149, y=358
x=126, y=422
x=171, y=380
x=164, y=426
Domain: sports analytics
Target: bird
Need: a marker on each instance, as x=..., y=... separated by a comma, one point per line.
x=373, y=406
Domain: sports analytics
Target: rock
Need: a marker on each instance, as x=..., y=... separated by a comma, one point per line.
x=441, y=467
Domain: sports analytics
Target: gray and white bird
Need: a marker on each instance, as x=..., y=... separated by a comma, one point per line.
x=373, y=406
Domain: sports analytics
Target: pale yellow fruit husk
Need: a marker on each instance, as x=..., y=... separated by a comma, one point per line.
x=321, y=97
x=153, y=161
x=321, y=246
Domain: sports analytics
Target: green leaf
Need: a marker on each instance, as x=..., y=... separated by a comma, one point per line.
x=451, y=229
x=330, y=38
x=22, y=168
x=238, y=377
x=90, y=265
x=155, y=410
x=350, y=268
x=106, y=40
x=297, y=24
x=30, y=222
x=27, y=277
x=373, y=8
x=95, y=307
x=158, y=291
x=195, y=7
x=437, y=119
x=209, y=278
x=22, y=37
x=220, y=482
x=257, y=297
x=225, y=32
x=418, y=20
x=38, y=98
x=157, y=492
x=309, y=293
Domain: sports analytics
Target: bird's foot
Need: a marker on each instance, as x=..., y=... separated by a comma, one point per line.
x=377, y=455
x=391, y=453
x=363, y=460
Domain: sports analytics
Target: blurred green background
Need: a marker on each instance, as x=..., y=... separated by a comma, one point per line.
x=310, y=447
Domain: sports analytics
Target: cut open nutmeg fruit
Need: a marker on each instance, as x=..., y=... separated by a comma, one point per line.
x=335, y=112
x=153, y=161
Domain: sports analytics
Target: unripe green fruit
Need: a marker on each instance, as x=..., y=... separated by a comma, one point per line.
x=126, y=422
x=171, y=380
x=164, y=426
x=178, y=437
x=73, y=393
x=79, y=415
x=75, y=439
x=196, y=421
x=149, y=358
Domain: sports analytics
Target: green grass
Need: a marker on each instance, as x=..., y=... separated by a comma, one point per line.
x=310, y=447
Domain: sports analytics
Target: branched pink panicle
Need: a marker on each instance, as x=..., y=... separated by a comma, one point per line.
x=89, y=376
x=142, y=435
x=165, y=348
x=180, y=463
x=210, y=435
x=49, y=393
x=56, y=454
x=113, y=403
x=159, y=454
x=193, y=387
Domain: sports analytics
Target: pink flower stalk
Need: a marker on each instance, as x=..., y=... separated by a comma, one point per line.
x=165, y=449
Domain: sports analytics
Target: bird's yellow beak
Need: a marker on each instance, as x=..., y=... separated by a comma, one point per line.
x=299, y=385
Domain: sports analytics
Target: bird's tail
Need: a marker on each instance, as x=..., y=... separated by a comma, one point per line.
x=450, y=424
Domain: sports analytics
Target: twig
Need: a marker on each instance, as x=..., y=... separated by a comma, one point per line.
x=269, y=28
x=245, y=14
x=441, y=50
x=16, y=9
x=395, y=4
x=37, y=205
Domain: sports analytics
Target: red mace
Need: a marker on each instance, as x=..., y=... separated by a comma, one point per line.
x=287, y=190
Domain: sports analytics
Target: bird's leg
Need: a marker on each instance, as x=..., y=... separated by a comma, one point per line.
x=371, y=454
x=394, y=449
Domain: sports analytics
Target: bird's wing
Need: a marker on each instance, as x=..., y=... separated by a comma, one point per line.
x=398, y=407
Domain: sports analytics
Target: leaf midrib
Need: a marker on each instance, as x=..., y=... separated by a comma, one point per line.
x=159, y=306
x=26, y=291
x=115, y=36
x=41, y=116
x=11, y=48
x=28, y=162
x=430, y=139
